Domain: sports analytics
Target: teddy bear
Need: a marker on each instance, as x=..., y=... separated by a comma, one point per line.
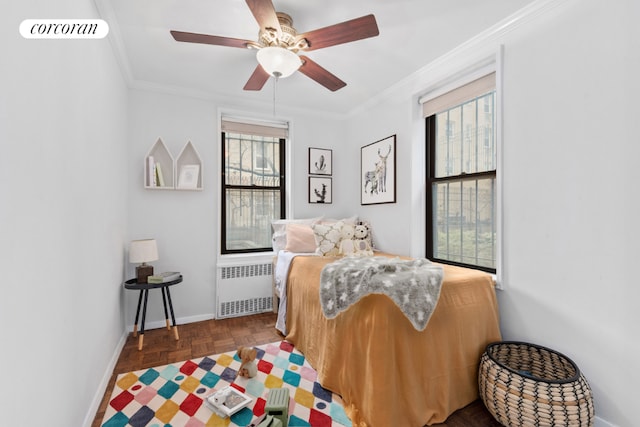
x=362, y=246
x=248, y=367
x=347, y=244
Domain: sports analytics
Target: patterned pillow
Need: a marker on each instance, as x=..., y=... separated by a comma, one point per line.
x=328, y=237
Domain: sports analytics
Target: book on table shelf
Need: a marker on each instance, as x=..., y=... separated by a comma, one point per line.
x=167, y=276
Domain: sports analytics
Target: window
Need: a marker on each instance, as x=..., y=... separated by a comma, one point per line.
x=461, y=179
x=253, y=185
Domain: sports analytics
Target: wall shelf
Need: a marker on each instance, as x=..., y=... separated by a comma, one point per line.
x=162, y=172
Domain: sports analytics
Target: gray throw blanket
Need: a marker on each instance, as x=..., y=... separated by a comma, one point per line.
x=414, y=285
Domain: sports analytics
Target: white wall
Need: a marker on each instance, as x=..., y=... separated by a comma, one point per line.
x=63, y=216
x=186, y=223
x=182, y=222
x=391, y=117
x=569, y=174
x=570, y=159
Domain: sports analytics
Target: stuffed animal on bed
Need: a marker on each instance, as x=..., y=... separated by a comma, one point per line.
x=362, y=246
x=347, y=244
x=248, y=368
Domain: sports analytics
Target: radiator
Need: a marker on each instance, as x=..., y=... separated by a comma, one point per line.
x=244, y=289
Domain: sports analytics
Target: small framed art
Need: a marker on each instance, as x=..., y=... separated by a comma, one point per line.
x=319, y=190
x=378, y=172
x=320, y=161
x=188, y=177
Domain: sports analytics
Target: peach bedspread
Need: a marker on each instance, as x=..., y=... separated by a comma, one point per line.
x=387, y=372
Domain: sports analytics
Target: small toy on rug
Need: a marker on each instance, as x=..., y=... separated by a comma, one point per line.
x=248, y=367
x=362, y=247
x=270, y=421
x=277, y=406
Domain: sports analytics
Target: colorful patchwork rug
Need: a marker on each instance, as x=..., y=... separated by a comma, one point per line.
x=174, y=395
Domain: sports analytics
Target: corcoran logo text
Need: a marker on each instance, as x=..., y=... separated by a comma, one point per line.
x=64, y=28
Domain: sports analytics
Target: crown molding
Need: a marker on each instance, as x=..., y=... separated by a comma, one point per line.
x=476, y=51
x=106, y=12
x=466, y=53
x=259, y=107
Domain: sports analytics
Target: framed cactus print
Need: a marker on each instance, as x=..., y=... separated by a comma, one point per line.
x=319, y=190
x=320, y=161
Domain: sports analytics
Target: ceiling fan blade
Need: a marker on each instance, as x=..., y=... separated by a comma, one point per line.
x=265, y=14
x=320, y=75
x=182, y=36
x=257, y=79
x=344, y=32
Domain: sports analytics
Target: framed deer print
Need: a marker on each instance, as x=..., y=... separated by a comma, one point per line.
x=378, y=172
x=320, y=161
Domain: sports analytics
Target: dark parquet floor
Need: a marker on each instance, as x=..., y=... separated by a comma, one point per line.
x=209, y=337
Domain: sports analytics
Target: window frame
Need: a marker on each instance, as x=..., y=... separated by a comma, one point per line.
x=431, y=180
x=223, y=191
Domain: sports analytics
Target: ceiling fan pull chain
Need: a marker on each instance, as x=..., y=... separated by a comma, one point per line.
x=275, y=87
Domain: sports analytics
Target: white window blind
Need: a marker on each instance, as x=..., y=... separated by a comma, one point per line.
x=248, y=127
x=471, y=90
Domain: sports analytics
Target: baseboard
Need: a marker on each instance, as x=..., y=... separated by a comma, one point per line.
x=156, y=324
x=102, y=388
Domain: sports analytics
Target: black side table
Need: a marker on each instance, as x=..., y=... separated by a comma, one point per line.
x=144, y=290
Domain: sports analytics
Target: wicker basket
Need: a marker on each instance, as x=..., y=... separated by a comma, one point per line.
x=524, y=384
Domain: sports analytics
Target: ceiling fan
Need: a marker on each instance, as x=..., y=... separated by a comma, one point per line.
x=278, y=44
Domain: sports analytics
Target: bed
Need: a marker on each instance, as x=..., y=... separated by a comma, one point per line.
x=388, y=372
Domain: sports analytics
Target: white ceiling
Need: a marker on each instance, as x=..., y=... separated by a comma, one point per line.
x=412, y=34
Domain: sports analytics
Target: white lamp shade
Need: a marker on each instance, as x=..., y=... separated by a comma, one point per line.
x=142, y=251
x=278, y=61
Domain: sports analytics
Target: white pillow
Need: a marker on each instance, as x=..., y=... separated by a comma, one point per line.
x=353, y=220
x=328, y=237
x=300, y=238
x=279, y=226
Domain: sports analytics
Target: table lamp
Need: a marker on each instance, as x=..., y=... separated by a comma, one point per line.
x=143, y=251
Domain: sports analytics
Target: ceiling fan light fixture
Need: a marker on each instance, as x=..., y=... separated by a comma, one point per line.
x=278, y=61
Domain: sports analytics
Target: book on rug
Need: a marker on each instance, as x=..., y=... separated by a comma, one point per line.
x=227, y=401
x=167, y=276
